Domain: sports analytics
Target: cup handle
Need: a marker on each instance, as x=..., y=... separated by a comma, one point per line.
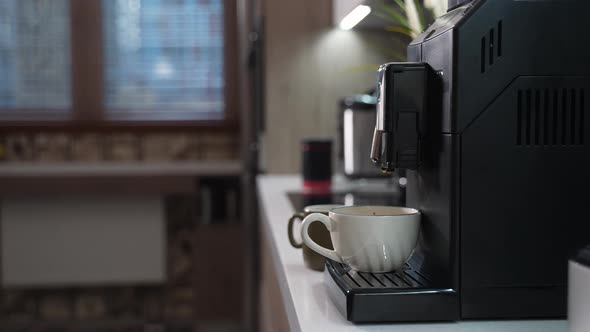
x=290, y=230
x=307, y=221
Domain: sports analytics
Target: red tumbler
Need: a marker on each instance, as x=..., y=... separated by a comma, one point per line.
x=317, y=165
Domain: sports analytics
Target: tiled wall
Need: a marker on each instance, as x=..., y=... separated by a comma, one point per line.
x=168, y=304
x=110, y=147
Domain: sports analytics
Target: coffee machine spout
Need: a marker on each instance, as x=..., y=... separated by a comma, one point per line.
x=381, y=144
x=379, y=151
x=376, y=146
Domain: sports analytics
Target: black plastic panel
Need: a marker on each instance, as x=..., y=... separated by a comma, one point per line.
x=550, y=117
x=455, y=3
x=523, y=211
x=583, y=256
x=434, y=191
x=546, y=43
x=407, y=295
x=513, y=302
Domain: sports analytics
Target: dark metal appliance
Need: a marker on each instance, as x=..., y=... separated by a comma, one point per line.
x=488, y=120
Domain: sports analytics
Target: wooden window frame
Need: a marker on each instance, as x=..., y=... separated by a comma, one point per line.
x=87, y=92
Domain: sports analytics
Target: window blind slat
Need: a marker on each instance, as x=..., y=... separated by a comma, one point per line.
x=35, y=54
x=164, y=55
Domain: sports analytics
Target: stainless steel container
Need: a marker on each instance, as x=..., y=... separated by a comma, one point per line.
x=357, y=123
x=579, y=292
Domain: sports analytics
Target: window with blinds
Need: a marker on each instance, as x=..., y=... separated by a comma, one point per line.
x=35, y=55
x=164, y=57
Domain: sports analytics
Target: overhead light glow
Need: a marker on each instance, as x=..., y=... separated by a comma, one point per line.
x=354, y=17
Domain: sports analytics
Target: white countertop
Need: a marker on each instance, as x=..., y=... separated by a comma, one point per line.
x=305, y=298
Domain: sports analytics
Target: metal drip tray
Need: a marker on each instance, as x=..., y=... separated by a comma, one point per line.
x=406, y=278
x=401, y=296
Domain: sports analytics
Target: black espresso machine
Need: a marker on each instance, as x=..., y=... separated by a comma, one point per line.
x=488, y=122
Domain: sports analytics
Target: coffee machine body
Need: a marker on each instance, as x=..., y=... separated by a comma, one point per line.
x=504, y=168
x=489, y=122
x=504, y=174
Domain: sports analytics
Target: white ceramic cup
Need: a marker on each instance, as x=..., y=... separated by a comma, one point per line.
x=368, y=238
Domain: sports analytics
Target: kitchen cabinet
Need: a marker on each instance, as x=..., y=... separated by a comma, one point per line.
x=218, y=272
x=273, y=316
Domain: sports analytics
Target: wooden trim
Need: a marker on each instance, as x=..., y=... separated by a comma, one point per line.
x=115, y=126
x=246, y=13
x=87, y=59
x=45, y=115
x=22, y=169
x=231, y=60
x=121, y=125
x=128, y=185
x=218, y=281
x=160, y=115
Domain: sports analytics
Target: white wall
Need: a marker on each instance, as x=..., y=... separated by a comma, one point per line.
x=82, y=240
x=310, y=65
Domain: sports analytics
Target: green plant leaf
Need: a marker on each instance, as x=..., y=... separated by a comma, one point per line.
x=387, y=18
x=391, y=20
x=401, y=5
x=396, y=13
x=397, y=16
x=399, y=29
